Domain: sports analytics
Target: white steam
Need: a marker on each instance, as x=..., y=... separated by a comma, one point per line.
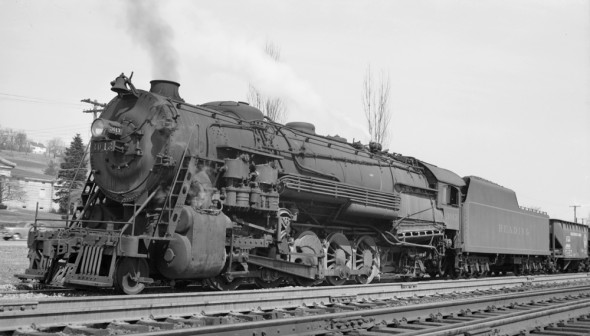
x=150, y=30
x=215, y=46
x=233, y=53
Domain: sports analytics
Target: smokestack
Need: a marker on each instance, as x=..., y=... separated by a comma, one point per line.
x=166, y=88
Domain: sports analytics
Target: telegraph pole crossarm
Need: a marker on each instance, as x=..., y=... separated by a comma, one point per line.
x=575, y=216
x=95, y=110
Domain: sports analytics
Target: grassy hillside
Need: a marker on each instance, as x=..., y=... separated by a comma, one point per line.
x=8, y=217
x=35, y=163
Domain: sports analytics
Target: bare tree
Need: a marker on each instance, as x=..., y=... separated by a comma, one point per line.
x=11, y=190
x=55, y=146
x=272, y=107
x=4, y=138
x=14, y=140
x=375, y=99
x=21, y=142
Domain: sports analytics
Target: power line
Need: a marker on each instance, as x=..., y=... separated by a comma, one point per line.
x=79, y=128
x=63, y=130
x=56, y=128
x=37, y=100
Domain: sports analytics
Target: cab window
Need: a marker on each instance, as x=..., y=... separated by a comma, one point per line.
x=452, y=196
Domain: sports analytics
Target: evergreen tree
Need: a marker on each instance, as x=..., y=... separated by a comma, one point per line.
x=72, y=174
x=51, y=169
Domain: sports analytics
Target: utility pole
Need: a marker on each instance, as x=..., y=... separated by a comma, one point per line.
x=95, y=110
x=575, y=217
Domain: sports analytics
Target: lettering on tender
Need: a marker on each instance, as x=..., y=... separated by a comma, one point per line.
x=514, y=230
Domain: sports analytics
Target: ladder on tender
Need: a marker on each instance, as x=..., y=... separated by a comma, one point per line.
x=169, y=215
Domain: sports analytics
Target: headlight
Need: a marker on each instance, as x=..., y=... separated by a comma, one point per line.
x=106, y=128
x=98, y=127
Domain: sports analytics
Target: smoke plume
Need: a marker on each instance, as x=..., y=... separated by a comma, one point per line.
x=150, y=30
x=218, y=49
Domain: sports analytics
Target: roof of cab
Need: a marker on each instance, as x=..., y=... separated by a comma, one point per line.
x=444, y=175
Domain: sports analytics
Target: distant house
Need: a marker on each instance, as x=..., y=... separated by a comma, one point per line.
x=38, y=149
x=38, y=188
x=6, y=167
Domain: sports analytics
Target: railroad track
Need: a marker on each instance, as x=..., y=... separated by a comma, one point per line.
x=546, y=312
x=285, y=310
x=45, y=291
x=52, y=291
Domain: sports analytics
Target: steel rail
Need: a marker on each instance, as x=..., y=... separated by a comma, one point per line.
x=513, y=323
x=35, y=291
x=358, y=321
x=55, y=311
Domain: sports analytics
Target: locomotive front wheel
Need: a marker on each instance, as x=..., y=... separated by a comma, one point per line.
x=221, y=283
x=455, y=273
x=127, y=275
x=517, y=270
x=335, y=280
x=261, y=283
x=269, y=279
x=305, y=282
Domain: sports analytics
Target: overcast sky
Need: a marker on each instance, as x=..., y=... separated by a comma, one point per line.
x=497, y=89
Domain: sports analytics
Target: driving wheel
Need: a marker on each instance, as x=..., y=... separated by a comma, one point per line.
x=309, y=245
x=367, y=259
x=338, y=254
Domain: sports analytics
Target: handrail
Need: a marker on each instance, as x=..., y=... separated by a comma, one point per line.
x=145, y=203
x=86, y=151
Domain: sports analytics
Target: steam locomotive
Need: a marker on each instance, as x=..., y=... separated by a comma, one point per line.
x=219, y=194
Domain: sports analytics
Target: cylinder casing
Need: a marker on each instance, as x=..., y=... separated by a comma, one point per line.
x=197, y=249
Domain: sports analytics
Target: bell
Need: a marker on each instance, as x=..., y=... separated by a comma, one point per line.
x=119, y=85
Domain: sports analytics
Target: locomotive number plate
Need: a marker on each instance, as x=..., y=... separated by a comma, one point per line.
x=103, y=146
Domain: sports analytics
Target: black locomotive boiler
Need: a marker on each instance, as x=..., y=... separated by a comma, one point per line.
x=219, y=194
